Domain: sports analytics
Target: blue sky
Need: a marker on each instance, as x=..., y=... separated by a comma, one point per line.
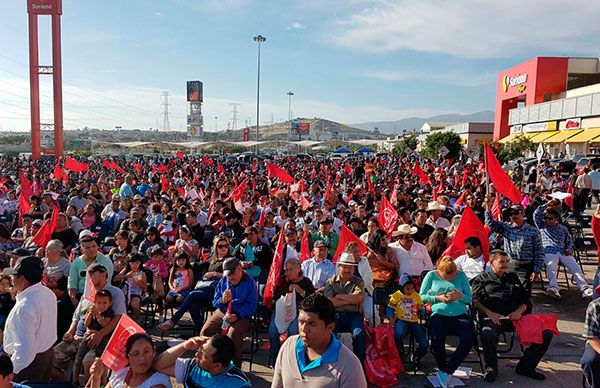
x=349, y=61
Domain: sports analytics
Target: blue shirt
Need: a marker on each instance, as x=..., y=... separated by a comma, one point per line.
x=330, y=355
x=245, y=296
x=555, y=239
x=126, y=191
x=188, y=373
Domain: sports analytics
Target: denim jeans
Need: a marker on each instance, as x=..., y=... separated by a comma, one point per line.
x=350, y=322
x=590, y=363
x=274, y=336
x=194, y=303
x=443, y=325
x=402, y=329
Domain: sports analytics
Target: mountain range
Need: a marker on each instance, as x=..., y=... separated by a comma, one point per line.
x=415, y=123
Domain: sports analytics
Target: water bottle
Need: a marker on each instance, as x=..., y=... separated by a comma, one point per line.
x=225, y=325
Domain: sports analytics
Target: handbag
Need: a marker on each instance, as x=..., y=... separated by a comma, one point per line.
x=285, y=311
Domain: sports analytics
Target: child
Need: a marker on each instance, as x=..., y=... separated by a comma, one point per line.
x=97, y=317
x=157, y=265
x=7, y=373
x=403, y=312
x=7, y=301
x=181, y=278
x=135, y=283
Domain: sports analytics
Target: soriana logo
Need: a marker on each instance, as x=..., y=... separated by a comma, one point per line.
x=510, y=82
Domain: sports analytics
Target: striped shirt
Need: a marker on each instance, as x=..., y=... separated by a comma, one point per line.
x=555, y=239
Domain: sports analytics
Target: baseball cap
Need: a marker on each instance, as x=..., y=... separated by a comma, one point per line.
x=518, y=208
x=229, y=265
x=85, y=233
x=405, y=278
x=19, y=252
x=30, y=267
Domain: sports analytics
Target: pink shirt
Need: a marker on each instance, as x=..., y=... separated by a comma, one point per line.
x=159, y=266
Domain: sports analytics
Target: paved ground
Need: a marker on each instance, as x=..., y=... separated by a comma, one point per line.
x=561, y=364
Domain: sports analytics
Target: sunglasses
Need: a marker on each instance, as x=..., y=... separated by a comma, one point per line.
x=222, y=246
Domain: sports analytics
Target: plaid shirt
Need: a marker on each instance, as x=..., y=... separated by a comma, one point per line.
x=592, y=320
x=522, y=244
x=556, y=239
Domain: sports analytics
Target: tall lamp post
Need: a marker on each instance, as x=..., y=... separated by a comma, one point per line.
x=258, y=39
x=290, y=94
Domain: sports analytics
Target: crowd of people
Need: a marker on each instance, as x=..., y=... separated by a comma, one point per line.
x=233, y=243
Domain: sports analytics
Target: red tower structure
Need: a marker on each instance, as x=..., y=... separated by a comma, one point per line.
x=54, y=9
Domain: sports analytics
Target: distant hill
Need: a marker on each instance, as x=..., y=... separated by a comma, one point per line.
x=414, y=123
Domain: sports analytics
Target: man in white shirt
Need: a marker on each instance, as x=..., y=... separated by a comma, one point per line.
x=412, y=256
x=30, y=329
x=435, y=209
x=292, y=247
x=471, y=263
x=318, y=269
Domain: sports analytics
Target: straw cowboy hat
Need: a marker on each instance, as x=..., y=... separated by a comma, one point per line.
x=347, y=259
x=435, y=205
x=404, y=229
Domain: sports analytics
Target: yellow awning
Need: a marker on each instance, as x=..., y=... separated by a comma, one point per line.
x=585, y=136
x=541, y=136
x=561, y=136
x=509, y=138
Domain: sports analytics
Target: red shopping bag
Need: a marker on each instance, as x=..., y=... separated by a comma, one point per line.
x=382, y=362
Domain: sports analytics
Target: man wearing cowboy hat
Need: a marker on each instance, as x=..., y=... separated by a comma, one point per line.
x=435, y=209
x=412, y=256
x=346, y=292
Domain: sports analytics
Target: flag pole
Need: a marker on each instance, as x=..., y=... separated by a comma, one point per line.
x=485, y=164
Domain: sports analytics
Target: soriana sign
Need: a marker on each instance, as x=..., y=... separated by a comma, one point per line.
x=510, y=82
x=44, y=7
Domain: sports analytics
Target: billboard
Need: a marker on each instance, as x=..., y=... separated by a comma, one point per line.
x=246, y=134
x=194, y=91
x=194, y=120
x=194, y=131
x=44, y=7
x=300, y=128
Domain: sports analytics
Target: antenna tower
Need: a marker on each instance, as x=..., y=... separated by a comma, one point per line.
x=165, y=104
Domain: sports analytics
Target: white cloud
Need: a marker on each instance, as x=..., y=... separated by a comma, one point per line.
x=296, y=26
x=157, y=13
x=453, y=77
x=471, y=28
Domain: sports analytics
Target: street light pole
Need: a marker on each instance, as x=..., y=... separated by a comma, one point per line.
x=290, y=94
x=216, y=118
x=258, y=39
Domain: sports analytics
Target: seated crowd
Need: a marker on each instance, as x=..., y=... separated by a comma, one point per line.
x=143, y=250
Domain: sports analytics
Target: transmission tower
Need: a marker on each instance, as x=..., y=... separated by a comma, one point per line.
x=165, y=104
x=234, y=114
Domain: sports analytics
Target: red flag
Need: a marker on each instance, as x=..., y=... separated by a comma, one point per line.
x=58, y=172
x=220, y=169
x=180, y=190
x=207, y=160
x=261, y=219
x=469, y=226
x=25, y=192
x=253, y=184
x=348, y=169
x=90, y=290
x=45, y=233
x=137, y=167
x=394, y=195
x=439, y=188
x=313, y=174
x=274, y=171
x=114, y=354
x=237, y=194
x=162, y=168
x=496, y=208
x=75, y=166
x=164, y=184
x=418, y=171
x=501, y=181
x=274, y=272
x=180, y=154
x=388, y=216
x=305, y=203
x=346, y=236
x=460, y=199
x=106, y=163
x=328, y=191
x=569, y=200
x=304, y=248
x=116, y=167
x=465, y=178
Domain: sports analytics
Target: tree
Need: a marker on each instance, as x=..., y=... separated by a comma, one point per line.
x=407, y=142
x=437, y=140
x=517, y=148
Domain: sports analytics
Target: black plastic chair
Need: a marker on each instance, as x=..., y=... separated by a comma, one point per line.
x=381, y=297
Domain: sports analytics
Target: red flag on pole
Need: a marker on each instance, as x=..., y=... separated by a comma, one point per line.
x=116, y=167
x=496, y=208
x=346, y=236
x=394, y=195
x=25, y=192
x=164, y=184
x=75, y=166
x=207, y=160
x=569, y=200
x=274, y=171
x=114, y=354
x=261, y=219
x=439, y=188
x=348, y=169
x=220, y=169
x=461, y=199
x=418, y=171
x=304, y=248
x=44, y=235
x=501, y=180
x=274, y=272
x=388, y=216
x=469, y=226
x=162, y=168
x=237, y=194
x=370, y=183
x=137, y=167
x=305, y=203
x=106, y=163
x=58, y=172
x=180, y=154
